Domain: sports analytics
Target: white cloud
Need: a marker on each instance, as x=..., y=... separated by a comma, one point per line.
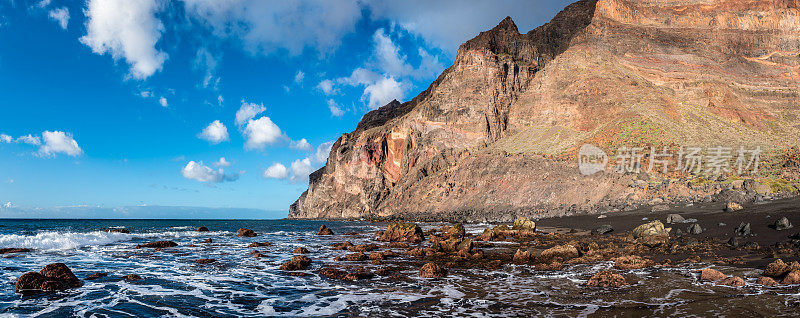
x=302, y=144
x=261, y=132
x=276, y=171
x=200, y=172
x=382, y=92
x=388, y=56
x=298, y=78
x=267, y=26
x=326, y=86
x=207, y=63
x=6, y=138
x=301, y=169
x=7, y=205
x=335, y=109
x=220, y=100
x=60, y=15
x=163, y=101
x=323, y=150
x=215, y=132
x=30, y=139
x=248, y=111
x=222, y=163
x=126, y=29
x=59, y=142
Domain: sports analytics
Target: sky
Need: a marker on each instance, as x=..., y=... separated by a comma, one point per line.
x=207, y=103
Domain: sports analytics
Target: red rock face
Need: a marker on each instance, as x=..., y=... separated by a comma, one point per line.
x=484, y=135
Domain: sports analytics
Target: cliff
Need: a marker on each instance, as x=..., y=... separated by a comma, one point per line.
x=488, y=139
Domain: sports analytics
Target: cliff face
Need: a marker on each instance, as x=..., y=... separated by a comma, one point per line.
x=478, y=144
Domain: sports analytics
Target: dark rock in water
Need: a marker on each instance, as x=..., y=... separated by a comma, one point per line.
x=397, y=231
x=456, y=231
x=298, y=262
x=521, y=256
x=202, y=229
x=52, y=277
x=356, y=257
x=782, y=224
x=208, y=241
x=431, y=270
x=675, y=218
x=734, y=242
x=158, y=244
x=711, y=275
x=97, y=275
x=300, y=250
x=9, y=250
x=246, y=233
x=132, y=277
x=733, y=281
x=259, y=244
x=603, y=229
x=695, y=229
x=204, y=261
x=117, y=230
x=324, y=230
x=743, y=229
x=607, y=279
x=766, y=281
x=342, y=246
x=362, y=248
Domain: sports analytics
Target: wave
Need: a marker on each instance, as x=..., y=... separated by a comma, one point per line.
x=57, y=241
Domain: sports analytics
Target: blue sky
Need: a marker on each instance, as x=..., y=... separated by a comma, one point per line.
x=127, y=103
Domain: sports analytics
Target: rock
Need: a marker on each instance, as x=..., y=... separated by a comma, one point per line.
x=158, y=244
x=733, y=207
x=603, y=229
x=782, y=224
x=52, y=277
x=653, y=241
x=202, y=229
x=607, y=279
x=521, y=256
x=299, y=262
x=776, y=269
x=431, y=270
x=356, y=257
x=733, y=281
x=563, y=252
x=733, y=242
x=358, y=273
x=397, y=231
x=204, y=261
x=524, y=225
x=243, y=232
x=397, y=245
x=97, y=275
x=793, y=278
x=743, y=229
x=549, y=266
x=632, y=262
x=257, y=254
x=300, y=250
x=649, y=229
x=766, y=281
x=207, y=241
x=118, y=230
x=324, y=230
x=132, y=277
x=418, y=251
x=362, y=248
x=695, y=229
x=456, y=231
x=675, y=218
x=332, y=272
x=259, y=244
x=660, y=208
x=342, y=246
x=10, y=250
x=711, y=275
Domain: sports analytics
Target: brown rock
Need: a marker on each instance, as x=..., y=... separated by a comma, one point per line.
x=332, y=272
x=607, y=279
x=356, y=257
x=52, y=277
x=418, y=251
x=551, y=266
x=655, y=228
x=563, y=252
x=158, y=244
x=204, y=261
x=118, y=230
x=776, y=269
x=208, y=241
x=132, y=277
x=632, y=262
x=257, y=254
x=9, y=250
x=97, y=275
x=521, y=256
x=243, y=232
x=711, y=275
x=202, y=229
x=342, y=246
x=733, y=207
x=398, y=245
x=456, y=231
x=299, y=262
x=733, y=281
x=259, y=244
x=408, y=232
x=766, y=281
x=300, y=250
x=324, y=230
x=362, y=248
x=524, y=225
x=793, y=278
x=431, y=270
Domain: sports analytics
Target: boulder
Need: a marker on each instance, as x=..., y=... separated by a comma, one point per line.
x=52, y=277
x=675, y=218
x=418, y=251
x=603, y=229
x=776, y=269
x=733, y=207
x=524, y=225
x=431, y=270
x=243, y=232
x=607, y=279
x=257, y=254
x=10, y=250
x=632, y=262
x=362, y=248
x=649, y=229
x=356, y=257
x=743, y=229
x=521, y=256
x=398, y=231
x=158, y=244
x=711, y=275
x=132, y=277
x=695, y=229
x=793, y=278
x=207, y=241
x=782, y=224
x=456, y=231
x=118, y=230
x=204, y=261
x=324, y=230
x=97, y=275
x=563, y=252
x=733, y=281
x=342, y=246
x=300, y=250
x=766, y=281
x=202, y=229
x=299, y=262
x=259, y=244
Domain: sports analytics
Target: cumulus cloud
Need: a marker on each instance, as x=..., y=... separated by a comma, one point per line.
x=388, y=56
x=163, y=101
x=215, y=132
x=56, y=142
x=326, y=86
x=301, y=144
x=323, y=150
x=260, y=132
x=60, y=16
x=30, y=139
x=127, y=30
x=248, y=111
x=222, y=163
x=301, y=169
x=382, y=92
x=334, y=108
x=276, y=171
x=200, y=172
x=6, y=138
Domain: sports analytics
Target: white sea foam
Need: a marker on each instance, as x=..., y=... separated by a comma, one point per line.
x=56, y=241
